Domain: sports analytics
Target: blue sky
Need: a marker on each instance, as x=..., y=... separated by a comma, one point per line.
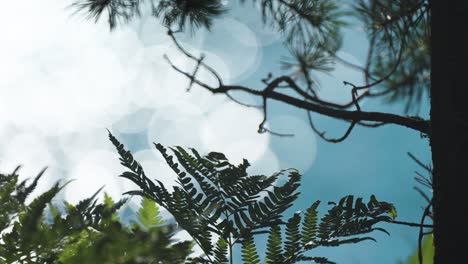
x=64, y=80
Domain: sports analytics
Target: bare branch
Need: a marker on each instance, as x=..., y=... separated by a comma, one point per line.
x=218, y=77
x=309, y=103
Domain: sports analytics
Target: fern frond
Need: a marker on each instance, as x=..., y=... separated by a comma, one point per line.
x=267, y=211
x=33, y=215
x=205, y=237
x=349, y=218
x=23, y=190
x=148, y=215
x=217, y=197
x=30, y=220
x=274, y=250
x=309, y=225
x=292, y=244
x=137, y=175
x=249, y=252
x=221, y=251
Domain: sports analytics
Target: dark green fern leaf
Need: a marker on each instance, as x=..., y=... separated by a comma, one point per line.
x=136, y=174
x=23, y=190
x=293, y=239
x=221, y=251
x=215, y=197
x=33, y=215
x=349, y=218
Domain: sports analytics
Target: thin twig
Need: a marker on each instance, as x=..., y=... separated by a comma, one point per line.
x=429, y=169
x=261, y=126
x=199, y=61
x=321, y=134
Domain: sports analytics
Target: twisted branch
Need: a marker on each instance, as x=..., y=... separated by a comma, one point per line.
x=310, y=102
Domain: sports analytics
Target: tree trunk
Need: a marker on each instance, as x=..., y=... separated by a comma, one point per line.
x=449, y=124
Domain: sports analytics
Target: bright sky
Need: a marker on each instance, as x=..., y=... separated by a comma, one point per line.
x=64, y=80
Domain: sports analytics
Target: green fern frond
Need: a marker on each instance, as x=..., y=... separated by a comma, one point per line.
x=23, y=190
x=148, y=215
x=309, y=225
x=205, y=236
x=89, y=232
x=274, y=250
x=33, y=215
x=249, y=252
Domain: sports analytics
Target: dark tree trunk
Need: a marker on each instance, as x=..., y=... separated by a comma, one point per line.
x=449, y=122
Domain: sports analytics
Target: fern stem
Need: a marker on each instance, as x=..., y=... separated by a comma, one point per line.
x=410, y=224
x=200, y=245
x=230, y=250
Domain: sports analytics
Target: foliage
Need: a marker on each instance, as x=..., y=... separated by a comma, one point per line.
x=397, y=67
x=195, y=13
x=400, y=47
x=217, y=198
x=89, y=232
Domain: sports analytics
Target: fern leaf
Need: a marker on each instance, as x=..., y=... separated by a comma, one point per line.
x=221, y=251
x=349, y=218
x=148, y=215
x=274, y=251
x=31, y=219
x=309, y=226
x=249, y=252
x=137, y=174
x=293, y=238
x=24, y=191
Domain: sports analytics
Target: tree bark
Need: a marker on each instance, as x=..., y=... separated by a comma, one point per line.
x=449, y=125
